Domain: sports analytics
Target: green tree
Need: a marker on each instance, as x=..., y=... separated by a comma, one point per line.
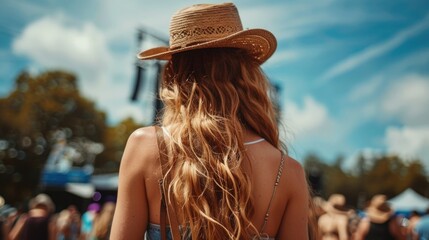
x=391, y=175
x=416, y=178
x=387, y=174
x=34, y=110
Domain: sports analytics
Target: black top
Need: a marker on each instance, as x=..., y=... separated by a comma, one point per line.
x=36, y=228
x=379, y=231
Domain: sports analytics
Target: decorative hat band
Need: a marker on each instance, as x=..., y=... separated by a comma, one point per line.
x=189, y=27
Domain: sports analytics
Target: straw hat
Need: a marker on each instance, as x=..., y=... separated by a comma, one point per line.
x=213, y=26
x=378, y=209
x=42, y=200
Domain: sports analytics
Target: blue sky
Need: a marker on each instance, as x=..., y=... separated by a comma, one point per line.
x=354, y=75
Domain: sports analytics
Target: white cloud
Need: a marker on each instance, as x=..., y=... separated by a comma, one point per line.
x=308, y=120
x=376, y=50
x=391, y=95
x=408, y=100
x=51, y=42
x=409, y=142
x=376, y=85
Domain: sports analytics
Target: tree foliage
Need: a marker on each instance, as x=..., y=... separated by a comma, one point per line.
x=387, y=174
x=34, y=110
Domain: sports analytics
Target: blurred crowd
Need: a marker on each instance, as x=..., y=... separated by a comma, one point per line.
x=333, y=220
x=42, y=222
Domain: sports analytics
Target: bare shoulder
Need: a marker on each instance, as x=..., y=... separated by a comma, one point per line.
x=294, y=224
x=294, y=176
x=143, y=134
x=132, y=203
x=293, y=169
x=142, y=139
x=293, y=163
x=141, y=150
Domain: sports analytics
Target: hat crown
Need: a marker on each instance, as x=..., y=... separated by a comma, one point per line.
x=213, y=26
x=203, y=23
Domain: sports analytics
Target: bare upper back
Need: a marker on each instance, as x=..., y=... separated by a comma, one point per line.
x=289, y=207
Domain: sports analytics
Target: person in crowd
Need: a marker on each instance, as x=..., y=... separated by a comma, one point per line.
x=216, y=169
x=103, y=222
x=11, y=216
x=2, y=220
x=88, y=220
x=68, y=224
x=380, y=223
x=421, y=228
x=7, y=218
x=410, y=223
x=36, y=224
x=316, y=210
x=333, y=225
x=63, y=220
x=75, y=222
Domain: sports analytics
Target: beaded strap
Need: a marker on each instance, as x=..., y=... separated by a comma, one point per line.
x=167, y=209
x=279, y=174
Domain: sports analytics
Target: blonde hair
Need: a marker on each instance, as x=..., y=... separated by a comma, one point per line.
x=210, y=96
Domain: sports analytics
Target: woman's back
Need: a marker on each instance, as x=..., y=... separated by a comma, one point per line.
x=288, y=214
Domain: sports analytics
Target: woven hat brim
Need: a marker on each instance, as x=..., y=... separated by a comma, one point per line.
x=259, y=43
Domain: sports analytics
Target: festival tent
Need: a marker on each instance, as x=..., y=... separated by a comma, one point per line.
x=409, y=200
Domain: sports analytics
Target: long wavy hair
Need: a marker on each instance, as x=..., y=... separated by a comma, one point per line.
x=210, y=96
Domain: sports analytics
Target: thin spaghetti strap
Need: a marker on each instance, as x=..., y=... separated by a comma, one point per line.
x=279, y=174
x=167, y=208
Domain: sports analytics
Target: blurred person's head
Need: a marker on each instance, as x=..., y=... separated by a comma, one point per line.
x=42, y=201
x=336, y=204
x=414, y=213
x=379, y=209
